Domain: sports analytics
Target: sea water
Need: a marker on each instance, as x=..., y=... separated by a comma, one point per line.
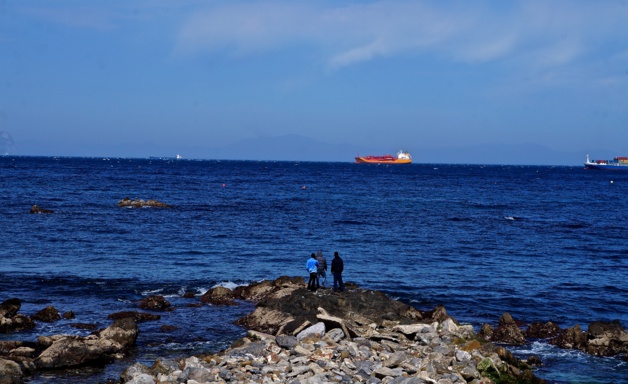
x=542, y=243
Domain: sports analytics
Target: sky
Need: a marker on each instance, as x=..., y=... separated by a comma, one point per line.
x=547, y=78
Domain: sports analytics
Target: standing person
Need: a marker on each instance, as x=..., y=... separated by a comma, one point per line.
x=337, y=267
x=322, y=268
x=312, y=267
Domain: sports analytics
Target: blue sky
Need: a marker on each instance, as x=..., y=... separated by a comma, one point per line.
x=128, y=78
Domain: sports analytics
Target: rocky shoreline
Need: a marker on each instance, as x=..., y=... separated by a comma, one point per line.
x=299, y=336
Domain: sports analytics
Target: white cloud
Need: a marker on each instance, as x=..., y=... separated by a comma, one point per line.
x=549, y=33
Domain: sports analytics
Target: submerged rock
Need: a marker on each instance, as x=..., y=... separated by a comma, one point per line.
x=139, y=317
x=37, y=209
x=139, y=203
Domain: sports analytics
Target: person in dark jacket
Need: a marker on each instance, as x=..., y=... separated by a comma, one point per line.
x=337, y=267
x=312, y=267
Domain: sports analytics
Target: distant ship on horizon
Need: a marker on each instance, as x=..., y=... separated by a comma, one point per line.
x=402, y=158
x=177, y=157
x=619, y=163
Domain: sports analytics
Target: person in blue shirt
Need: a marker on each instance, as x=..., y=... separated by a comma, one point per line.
x=312, y=267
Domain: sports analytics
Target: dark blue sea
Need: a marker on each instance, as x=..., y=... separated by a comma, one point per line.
x=542, y=243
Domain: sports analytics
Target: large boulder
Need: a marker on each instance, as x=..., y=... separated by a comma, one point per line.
x=69, y=351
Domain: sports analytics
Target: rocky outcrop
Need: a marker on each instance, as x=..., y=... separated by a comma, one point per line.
x=37, y=209
x=607, y=339
x=359, y=335
x=11, y=320
x=139, y=203
x=69, y=351
x=288, y=306
x=602, y=338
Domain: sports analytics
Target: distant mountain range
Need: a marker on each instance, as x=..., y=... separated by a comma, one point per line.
x=301, y=148
x=296, y=147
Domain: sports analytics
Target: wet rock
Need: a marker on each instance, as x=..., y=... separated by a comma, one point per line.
x=607, y=339
x=139, y=203
x=69, y=351
x=219, y=296
x=507, y=332
x=539, y=330
x=37, y=209
x=155, y=303
x=47, y=315
x=11, y=320
x=69, y=315
x=571, y=338
x=10, y=307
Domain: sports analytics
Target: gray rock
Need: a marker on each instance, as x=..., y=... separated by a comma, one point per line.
x=382, y=372
x=395, y=360
x=463, y=355
x=336, y=335
x=317, y=329
x=286, y=341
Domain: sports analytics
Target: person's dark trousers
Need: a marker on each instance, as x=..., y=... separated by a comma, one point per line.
x=311, y=284
x=338, y=284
